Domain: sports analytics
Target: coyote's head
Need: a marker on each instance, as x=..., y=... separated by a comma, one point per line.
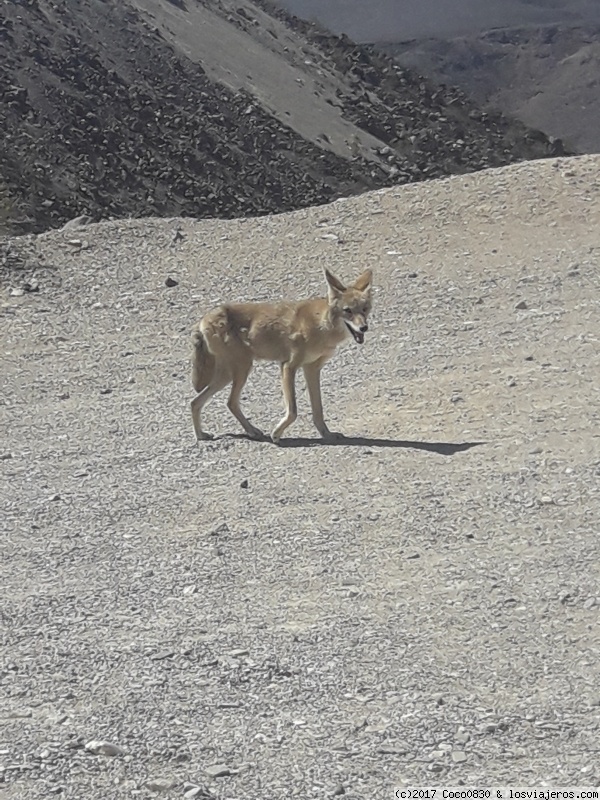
x=352, y=304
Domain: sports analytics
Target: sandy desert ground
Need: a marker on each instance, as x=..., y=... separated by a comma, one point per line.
x=417, y=605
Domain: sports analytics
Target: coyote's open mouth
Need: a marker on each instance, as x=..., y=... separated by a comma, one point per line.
x=358, y=336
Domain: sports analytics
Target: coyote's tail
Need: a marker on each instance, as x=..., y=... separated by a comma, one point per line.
x=203, y=361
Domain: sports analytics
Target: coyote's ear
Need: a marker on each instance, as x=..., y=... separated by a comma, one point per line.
x=363, y=283
x=335, y=287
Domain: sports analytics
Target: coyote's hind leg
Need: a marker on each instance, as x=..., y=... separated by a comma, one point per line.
x=218, y=382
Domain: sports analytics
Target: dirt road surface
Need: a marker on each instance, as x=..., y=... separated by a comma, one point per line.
x=417, y=605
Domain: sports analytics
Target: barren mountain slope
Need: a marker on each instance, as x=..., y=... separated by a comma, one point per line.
x=192, y=108
x=416, y=606
x=386, y=20
x=547, y=77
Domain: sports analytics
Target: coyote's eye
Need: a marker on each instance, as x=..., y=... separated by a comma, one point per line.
x=348, y=311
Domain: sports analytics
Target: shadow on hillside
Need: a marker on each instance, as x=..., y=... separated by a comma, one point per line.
x=441, y=448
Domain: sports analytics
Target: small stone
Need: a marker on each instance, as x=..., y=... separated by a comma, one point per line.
x=521, y=306
x=590, y=603
x=99, y=748
x=17, y=292
x=218, y=771
x=20, y=713
x=458, y=756
x=338, y=791
x=244, y=484
x=545, y=500
x=160, y=785
x=162, y=654
x=394, y=749
x=238, y=653
x=412, y=274
x=193, y=792
x=77, y=222
x=219, y=529
x=462, y=737
x=190, y=589
x=170, y=282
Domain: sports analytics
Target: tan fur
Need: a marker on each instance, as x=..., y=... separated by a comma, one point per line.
x=304, y=334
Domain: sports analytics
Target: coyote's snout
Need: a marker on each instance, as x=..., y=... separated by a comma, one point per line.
x=304, y=334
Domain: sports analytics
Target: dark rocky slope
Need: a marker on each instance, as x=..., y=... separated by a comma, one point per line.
x=548, y=77
x=103, y=116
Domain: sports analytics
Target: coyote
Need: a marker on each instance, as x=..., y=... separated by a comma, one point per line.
x=297, y=334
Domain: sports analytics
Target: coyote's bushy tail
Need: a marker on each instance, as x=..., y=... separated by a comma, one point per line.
x=203, y=361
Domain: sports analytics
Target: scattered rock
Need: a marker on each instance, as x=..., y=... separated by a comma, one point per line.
x=521, y=306
x=162, y=654
x=198, y=792
x=170, y=282
x=218, y=771
x=100, y=748
x=20, y=713
x=160, y=785
x=77, y=222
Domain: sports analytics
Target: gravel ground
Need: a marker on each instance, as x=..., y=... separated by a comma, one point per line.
x=416, y=606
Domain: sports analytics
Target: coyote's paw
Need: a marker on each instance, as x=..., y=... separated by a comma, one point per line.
x=204, y=437
x=255, y=433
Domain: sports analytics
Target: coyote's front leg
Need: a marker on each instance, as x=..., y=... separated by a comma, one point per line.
x=288, y=382
x=312, y=375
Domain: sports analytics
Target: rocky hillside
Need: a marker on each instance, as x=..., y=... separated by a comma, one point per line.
x=548, y=77
x=390, y=20
x=157, y=107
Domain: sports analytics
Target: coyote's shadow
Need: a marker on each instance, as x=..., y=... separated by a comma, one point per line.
x=441, y=448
